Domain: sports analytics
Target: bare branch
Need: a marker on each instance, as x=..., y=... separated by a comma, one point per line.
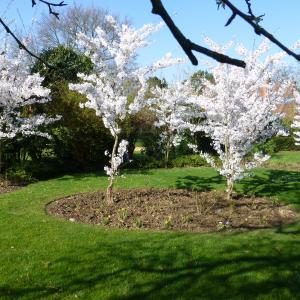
x=248, y=2
x=50, y=6
x=20, y=44
x=186, y=44
x=253, y=21
x=254, y=18
x=230, y=19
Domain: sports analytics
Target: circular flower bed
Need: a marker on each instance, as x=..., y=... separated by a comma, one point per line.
x=167, y=209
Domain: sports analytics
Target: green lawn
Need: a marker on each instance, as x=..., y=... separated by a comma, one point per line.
x=47, y=258
x=286, y=156
x=285, y=160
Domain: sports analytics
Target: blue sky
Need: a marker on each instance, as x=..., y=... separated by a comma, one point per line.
x=196, y=19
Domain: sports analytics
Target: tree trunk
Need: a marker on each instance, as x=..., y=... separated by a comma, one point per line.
x=230, y=181
x=109, y=190
x=229, y=188
x=0, y=158
x=167, y=154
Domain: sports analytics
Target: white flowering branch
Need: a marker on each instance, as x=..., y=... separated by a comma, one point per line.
x=174, y=108
x=240, y=109
x=296, y=122
x=108, y=88
x=19, y=92
x=117, y=158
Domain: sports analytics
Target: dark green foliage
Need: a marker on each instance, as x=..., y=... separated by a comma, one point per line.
x=203, y=143
x=197, y=80
x=79, y=138
x=19, y=176
x=66, y=64
x=278, y=143
x=194, y=160
x=140, y=126
x=143, y=161
x=155, y=81
x=151, y=143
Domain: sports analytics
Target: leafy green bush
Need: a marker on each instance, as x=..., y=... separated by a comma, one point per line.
x=188, y=161
x=143, y=161
x=79, y=138
x=66, y=62
x=19, y=176
x=276, y=144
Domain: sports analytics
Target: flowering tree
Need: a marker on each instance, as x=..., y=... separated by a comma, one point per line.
x=108, y=88
x=19, y=90
x=296, y=123
x=174, y=108
x=240, y=110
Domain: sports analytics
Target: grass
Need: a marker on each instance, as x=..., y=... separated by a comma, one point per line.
x=46, y=258
x=287, y=157
x=285, y=160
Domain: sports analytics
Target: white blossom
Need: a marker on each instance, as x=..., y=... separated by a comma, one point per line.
x=296, y=122
x=240, y=110
x=113, y=80
x=107, y=90
x=19, y=90
x=174, y=108
x=116, y=160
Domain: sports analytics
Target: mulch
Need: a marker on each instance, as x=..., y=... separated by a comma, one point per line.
x=173, y=209
x=7, y=186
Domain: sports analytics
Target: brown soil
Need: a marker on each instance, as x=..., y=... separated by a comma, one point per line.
x=173, y=210
x=7, y=186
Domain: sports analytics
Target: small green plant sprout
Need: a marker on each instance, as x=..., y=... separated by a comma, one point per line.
x=138, y=223
x=187, y=218
x=168, y=223
x=275, y=202
x=123, y=215
x=222, y=225
x=106, y=220
x=264, y=220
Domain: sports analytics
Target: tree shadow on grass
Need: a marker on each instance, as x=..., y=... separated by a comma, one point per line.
x=172, y=267
x=99, y=174
x=199, y=183
x=278, y=183
x=267, y=183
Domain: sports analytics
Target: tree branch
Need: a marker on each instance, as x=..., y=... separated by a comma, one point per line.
x=50, y=6
x=186, y=44
x=20, y=44
x=253, y=22
x=249, y=8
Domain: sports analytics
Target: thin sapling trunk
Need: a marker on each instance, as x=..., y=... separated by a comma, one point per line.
x=109, y=190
